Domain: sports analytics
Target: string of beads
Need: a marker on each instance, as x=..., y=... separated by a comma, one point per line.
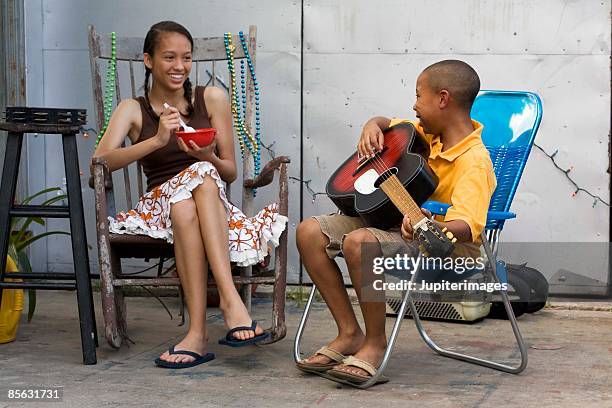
x=245, y=137
x=109, y=92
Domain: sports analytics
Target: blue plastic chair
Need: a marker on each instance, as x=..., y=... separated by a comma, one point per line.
x=511, y=120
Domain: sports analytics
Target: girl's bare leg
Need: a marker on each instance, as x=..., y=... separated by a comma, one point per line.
x=214, y=229
x=192, y=269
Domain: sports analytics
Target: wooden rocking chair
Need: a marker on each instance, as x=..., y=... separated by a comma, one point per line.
x=113, y=247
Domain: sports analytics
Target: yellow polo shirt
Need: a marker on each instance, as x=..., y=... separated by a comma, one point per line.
x=466, y=179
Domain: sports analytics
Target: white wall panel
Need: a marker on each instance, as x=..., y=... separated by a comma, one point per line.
x=278, y=21
x=458, y=27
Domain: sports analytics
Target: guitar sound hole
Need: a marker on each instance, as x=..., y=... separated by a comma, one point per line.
x=385, y=176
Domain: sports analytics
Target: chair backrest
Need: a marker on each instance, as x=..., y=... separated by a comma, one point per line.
x=511, y=120
x=207, y=53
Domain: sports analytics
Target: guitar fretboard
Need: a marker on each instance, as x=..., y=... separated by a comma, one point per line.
x=399, y=196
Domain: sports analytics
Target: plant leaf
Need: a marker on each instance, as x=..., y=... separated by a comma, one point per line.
x=41, y=192
x=14, y=222
x=23, y=231
x=12, y=252
x=55, y=199
x=24, y=228
x=24, y=262
x=24, y=265
x=38, y=220
x=31, y=303
x=20, y=246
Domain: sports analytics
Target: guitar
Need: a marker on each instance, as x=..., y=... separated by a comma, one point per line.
x=395, y=182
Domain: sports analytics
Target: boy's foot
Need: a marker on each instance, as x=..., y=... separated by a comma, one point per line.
x=191, y=343
x=345, y=345
x=236, y=315
x=372, y=355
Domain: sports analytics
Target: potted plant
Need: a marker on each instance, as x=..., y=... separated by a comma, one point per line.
x=21, y=238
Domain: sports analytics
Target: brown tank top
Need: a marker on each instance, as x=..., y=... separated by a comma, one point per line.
x=163, y=164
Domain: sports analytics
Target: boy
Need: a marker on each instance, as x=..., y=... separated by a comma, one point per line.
x=445, y=92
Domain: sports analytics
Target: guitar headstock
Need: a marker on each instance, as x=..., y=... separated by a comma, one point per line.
x=434, y=241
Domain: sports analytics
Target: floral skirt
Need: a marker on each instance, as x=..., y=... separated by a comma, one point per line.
x=249, y=237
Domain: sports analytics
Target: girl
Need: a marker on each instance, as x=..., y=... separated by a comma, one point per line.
x=185, y=201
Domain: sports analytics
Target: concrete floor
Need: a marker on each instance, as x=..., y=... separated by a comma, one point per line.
x=570, y=363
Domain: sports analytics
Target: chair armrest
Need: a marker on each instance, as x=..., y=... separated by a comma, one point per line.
x=108, y=180
x=437, y=208
x=102, y=183
x=267, y=173
x=500, y=215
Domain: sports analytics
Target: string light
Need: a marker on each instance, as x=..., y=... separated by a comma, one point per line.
x=566, y=172
x=312, y=193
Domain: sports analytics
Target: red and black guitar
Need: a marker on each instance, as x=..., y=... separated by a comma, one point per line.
x=396, y=181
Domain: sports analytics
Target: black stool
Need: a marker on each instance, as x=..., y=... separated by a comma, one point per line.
x=66, y=122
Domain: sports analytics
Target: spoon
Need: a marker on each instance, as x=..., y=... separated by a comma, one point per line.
x=186, y=128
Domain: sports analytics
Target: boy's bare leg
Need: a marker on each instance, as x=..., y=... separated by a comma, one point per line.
x=324, y=272
x=192, y=268
x=375, y=343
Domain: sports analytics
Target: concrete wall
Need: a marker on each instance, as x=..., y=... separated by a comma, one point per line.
x=361, y=59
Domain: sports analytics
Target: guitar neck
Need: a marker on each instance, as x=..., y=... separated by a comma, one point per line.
x=400, y=197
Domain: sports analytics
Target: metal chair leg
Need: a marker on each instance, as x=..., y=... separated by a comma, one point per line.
x=297, y=354
x=472, y=359
x=388, y=350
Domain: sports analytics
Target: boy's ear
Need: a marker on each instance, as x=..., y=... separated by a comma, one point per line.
x=444, y=98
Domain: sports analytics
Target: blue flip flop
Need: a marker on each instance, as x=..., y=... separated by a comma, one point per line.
x=199, y=359
x=232, y=341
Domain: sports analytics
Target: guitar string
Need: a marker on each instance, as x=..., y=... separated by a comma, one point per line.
x=406, y=200
x=398, y=191
x=379, y=164
x=404, y=197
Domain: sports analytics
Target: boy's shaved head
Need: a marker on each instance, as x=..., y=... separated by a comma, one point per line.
x=457, y=77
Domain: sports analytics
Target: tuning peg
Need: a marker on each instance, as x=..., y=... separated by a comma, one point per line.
x=444, y=229
x=421, y=248
x=454, y=240
x=426, y=254
x=449, y=235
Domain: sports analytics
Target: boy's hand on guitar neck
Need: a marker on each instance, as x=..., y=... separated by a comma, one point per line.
x=372, y=138
x=407, y=230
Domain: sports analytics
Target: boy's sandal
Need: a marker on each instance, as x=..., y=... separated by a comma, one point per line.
x=352, y=361
x=336, y=357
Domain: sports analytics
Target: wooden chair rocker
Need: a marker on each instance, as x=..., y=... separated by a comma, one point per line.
x=112, y=248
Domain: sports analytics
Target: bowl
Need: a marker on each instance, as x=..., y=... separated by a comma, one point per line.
x=201, y=137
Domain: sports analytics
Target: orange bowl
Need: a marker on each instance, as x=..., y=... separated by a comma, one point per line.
x=201, y=137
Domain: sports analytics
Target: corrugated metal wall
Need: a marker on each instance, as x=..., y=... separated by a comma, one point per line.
x=360, y=59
